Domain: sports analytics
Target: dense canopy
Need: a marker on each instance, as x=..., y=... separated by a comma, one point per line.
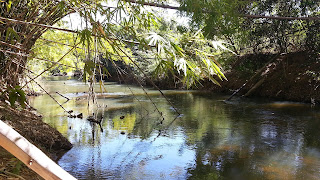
x=129, y=31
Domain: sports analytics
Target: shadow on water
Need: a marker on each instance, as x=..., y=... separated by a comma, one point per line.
x=212, y=139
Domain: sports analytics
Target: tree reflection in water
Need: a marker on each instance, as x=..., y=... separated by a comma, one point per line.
x=241, y=139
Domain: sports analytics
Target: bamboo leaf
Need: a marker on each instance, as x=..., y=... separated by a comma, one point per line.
x=11, y=34
x=17, y=95
x=101, y=29
x=9, y=5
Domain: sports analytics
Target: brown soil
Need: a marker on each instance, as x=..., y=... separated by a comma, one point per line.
x=11, y=168
x=293, y=77
x=30, y=126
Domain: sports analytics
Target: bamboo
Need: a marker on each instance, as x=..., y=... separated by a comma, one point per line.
x=50, y=66
x=147, y=77
x=61, y=29
x=30, y=155
x=258, y=84
x=12, y=46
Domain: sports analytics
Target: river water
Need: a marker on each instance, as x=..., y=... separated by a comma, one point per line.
x=211, y=139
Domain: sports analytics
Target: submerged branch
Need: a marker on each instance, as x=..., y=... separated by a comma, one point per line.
x=49, y=95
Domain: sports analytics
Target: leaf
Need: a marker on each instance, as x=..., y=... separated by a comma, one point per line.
x=12, y=98
x=101, y=29
x=11, y=34
x=17, y=95
x=17, y=167
x=214, y=81
x=219, y=71
x=219, y=44
x=9, y=5
x=88, y=67
x=178, y=49
x=181, y=64
x=102, y=86
x=85, y=36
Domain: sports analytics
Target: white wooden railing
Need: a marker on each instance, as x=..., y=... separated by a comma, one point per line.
x=30, y=155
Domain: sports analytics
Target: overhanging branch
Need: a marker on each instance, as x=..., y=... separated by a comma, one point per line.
x=59, y=29
x=243, y=15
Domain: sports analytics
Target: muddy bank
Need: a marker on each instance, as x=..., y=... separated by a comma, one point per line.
x=30, y=126
x=293, y=77
x=290, y=77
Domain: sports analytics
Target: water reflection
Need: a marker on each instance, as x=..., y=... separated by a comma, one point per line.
x=213, y=139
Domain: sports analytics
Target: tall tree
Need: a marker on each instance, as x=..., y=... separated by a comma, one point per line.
x=276, y=26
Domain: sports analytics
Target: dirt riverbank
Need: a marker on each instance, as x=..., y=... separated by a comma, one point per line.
x=290, y=77
x=29, y=125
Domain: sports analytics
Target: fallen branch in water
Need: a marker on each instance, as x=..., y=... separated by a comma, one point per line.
x=49, y=95
x=253, y=77
x=63, y=96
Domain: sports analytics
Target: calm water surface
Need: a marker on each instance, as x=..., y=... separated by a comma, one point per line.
x=212, y=139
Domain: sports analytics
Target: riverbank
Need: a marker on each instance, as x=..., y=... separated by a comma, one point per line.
x=290, y=77
x=29, y=125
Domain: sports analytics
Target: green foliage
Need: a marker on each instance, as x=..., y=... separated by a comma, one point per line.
x=222, y=19
x=88, y=69
x=85, y=37
x=114, y=33
x=50, y=48
x=16, y=95
x=216, y=16
x=184, y=56
x=17, y=166
x=8, y=5
x=11, y=35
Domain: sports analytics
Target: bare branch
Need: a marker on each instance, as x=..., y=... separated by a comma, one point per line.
x=280, y=17
x=154, y=4
x=14, y=53
x=12, y=46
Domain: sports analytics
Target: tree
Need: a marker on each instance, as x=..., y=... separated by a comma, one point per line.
x=260, y=26
x=23, y=23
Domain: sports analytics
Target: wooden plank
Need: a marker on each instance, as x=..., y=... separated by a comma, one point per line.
x=30, y=155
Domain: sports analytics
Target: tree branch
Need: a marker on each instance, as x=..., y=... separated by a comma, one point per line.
x=60, y=29
x=243, y=15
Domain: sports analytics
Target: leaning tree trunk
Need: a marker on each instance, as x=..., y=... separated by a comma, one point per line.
x=18, y=38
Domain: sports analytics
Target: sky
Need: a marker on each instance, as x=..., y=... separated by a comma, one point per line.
x=74, y=20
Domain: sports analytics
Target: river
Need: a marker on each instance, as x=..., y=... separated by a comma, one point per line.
x=211, y=139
